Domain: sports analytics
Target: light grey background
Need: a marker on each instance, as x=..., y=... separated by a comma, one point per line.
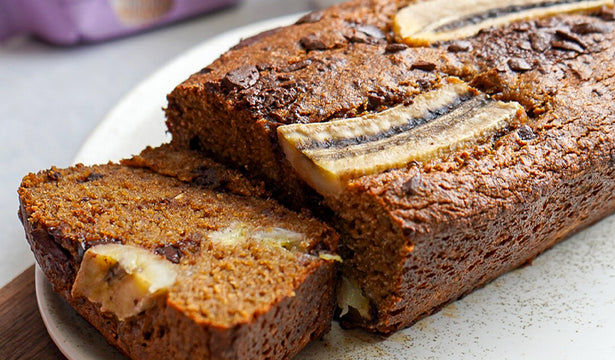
x=51, y=98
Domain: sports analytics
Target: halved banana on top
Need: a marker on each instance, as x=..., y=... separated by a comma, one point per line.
x=327, y=155
x=424, y=23
x=123, y=279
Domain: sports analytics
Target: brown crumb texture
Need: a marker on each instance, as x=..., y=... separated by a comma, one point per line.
x=233, y=295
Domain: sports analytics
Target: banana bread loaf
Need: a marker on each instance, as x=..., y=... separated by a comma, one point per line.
x=164, y=268
x=450, y=151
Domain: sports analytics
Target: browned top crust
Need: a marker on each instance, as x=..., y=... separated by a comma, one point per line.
x=334, y=63
x=567, y=91
x=344, y=61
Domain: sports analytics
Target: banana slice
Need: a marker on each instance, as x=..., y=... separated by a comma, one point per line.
x=424, y=23
x=238, y=233
x=123, y=279
x=288, y=239
x=327, y=155
x=350, y=295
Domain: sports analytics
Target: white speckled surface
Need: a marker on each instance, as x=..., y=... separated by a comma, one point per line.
x=560, y=307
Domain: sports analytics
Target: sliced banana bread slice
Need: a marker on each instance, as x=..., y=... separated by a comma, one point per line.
x=165, y=268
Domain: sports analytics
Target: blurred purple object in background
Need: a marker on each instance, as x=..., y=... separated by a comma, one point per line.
x=68, y=22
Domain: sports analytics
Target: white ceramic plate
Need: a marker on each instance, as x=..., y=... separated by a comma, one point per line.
x=560, y=307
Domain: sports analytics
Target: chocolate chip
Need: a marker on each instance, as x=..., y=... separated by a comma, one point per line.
x=314, y=16
x=460, y=46
x=208, y=178
x=53, y=175
x=567, y=45
x=375, y=101
x=195, y=143
x=171, y=252
x=525, y=45
x=414, y=186
x=370, y=30
x=519, y=64
x=279, y=97
x=91, y=177
x=525, y=133
x=242, y=77
x=568, y=36
x=296, y=66
x=312, y=42
x=204, y=71
x=591, y=28
x=395, y=47
x=540, y=41
x=423, y=65
x=94, y=176
x=359, y=37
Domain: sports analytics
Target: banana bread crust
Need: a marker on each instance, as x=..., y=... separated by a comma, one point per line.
x=419, y=237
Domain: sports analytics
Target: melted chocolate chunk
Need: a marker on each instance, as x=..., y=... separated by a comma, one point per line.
x=370, y=30
x=567, y=45
x=526, y=133
x=460, y=46
x=312, y=42
x=170, y=252
x=395, y=47
x=279, y=97
x=568, y=36
x=414, y=186
x=296, y=66
x=94, y=176
x=540, y=41
x=359, y=37
x=195, y=143
x=423, y=65
x=209, y=178
x=519, y=64
x=242, y=77
x=53, y=175
x=91, y=177
x=591, y=28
